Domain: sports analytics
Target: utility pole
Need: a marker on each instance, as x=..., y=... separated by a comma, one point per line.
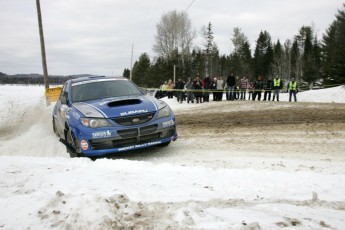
x=174, y=74
x=130, y=73
x=43, y=51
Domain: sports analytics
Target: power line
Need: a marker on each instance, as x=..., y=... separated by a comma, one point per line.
x=189, y=5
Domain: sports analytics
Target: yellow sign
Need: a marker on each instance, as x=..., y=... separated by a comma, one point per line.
x=52, y=94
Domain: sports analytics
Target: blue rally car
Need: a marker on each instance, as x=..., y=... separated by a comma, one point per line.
x=95, y=116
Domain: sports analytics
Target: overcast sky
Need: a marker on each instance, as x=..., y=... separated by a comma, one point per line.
x=96, y=36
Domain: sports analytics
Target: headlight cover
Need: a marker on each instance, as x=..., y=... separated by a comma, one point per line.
x=165, y=112
x=95, y=122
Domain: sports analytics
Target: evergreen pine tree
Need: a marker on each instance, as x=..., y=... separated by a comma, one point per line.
x=333, y=51
x=141, y=70
x=208, y=37
x=295, y=59
x=309, y=70
x=126, y=73
x=263, y=55
x=277, y=59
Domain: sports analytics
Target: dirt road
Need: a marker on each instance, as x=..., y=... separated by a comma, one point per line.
x=225, y=115
x=245, y=131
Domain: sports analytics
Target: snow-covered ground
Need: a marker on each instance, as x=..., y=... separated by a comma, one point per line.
x=162, y=188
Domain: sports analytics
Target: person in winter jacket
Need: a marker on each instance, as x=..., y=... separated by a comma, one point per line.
x=179, y=90
x=277, y=86
x=268, y=86
x=293, y=89
x=214, y=89
x=189, y=88
x=206, y=85
x=198, y=90
x=243, y=87
x=220, y=88
x=231, y=82
x=258, y=87
x=171, y=87
x=162, y=92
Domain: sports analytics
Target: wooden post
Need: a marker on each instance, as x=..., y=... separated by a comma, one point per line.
x=43, y=51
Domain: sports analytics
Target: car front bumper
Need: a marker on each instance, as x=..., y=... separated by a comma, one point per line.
x=112, y=140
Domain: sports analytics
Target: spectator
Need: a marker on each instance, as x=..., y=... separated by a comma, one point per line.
x=197, y=90
x=220, y=88
x=277, y=86
x=206, y=85
x=243, y=87
x=171, y=87
x=162, y=90
x=189, y=88
x=179, y=88
x=231, y=82
x=268, y=86
x=258, y=87
x=293, y=89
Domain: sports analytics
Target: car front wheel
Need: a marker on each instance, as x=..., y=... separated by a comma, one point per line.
x=73, y=147
x=54, y=126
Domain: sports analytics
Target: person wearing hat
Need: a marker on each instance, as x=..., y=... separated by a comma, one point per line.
x=293, y=89
x=277, y=86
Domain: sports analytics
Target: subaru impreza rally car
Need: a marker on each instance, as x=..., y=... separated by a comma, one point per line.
x=95, y=116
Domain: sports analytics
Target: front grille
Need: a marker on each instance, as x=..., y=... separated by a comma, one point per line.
x=129, y=137
x=134, y=120
x=101, y=144
x=126, y=133
x=151, y=137
x=148, y=129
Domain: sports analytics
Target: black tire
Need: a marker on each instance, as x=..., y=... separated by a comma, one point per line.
x=72, y=146
x=54, y=127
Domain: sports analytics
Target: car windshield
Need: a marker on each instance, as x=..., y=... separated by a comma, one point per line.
x=91, y=90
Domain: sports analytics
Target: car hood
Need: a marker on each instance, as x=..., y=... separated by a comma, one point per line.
x=119, y=107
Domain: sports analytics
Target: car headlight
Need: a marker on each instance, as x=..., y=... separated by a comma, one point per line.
x=165, y=112
x=95, y=122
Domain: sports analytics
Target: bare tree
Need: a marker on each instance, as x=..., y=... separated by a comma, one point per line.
x=174, y=33
x=238, y=39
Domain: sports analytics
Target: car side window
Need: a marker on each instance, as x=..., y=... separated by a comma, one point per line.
x=63, y=89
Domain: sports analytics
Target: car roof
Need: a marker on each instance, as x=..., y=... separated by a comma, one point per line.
x=94, y=78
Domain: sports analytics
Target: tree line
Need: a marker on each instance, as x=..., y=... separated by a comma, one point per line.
x=35, y=79
x=306, y=57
